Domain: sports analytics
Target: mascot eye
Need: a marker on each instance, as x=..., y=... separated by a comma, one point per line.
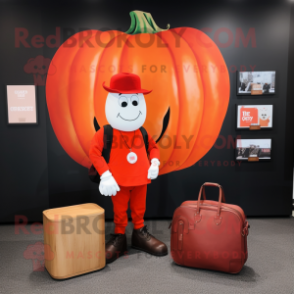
x=135, y=100
x=123, y=101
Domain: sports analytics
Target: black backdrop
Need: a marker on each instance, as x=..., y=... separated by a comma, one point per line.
x=37, y=174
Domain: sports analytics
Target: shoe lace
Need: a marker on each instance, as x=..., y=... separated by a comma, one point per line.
x=114, y=239
x=145, y=232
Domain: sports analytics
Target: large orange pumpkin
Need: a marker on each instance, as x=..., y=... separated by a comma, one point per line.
x=183, y=66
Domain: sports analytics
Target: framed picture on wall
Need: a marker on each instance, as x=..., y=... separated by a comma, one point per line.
x=249, y=115
x=263, y=81
x=261, y=148
x=21, y=104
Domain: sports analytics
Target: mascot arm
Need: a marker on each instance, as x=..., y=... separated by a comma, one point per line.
x=95, y=152
x=153, y=149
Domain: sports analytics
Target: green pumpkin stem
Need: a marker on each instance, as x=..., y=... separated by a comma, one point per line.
x=143, y=22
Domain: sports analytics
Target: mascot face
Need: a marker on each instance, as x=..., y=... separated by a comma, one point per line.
x=125, y=112
x=264, y=113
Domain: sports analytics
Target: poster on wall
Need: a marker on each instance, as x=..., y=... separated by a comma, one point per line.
x=260, y=148
x=264, y=80
x=250, y=115
x=21, y=104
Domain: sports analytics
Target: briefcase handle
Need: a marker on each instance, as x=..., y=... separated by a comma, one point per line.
x=208, y=184
x=220, y=198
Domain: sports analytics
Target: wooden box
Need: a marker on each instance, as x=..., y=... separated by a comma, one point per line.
x=74, y=240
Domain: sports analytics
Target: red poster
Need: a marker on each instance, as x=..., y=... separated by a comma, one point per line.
x=248, y=116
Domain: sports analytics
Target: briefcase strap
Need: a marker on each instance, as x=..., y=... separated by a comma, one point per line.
x=245, y=231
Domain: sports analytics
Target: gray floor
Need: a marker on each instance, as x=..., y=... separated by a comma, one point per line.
x=269, y=269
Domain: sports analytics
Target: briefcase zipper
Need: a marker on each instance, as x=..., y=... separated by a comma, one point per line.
x=236, y=212
x=222, y=208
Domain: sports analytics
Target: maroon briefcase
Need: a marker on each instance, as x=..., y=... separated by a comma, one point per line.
x=209, y=234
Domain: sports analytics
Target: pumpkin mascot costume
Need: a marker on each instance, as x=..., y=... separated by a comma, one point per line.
x=132, y=163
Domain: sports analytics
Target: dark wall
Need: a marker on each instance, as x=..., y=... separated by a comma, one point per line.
x=289, y=148
x=36, y=173
x=24, y=160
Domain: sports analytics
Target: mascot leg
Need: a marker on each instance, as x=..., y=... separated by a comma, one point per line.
x=117, y=245
x=141, y=238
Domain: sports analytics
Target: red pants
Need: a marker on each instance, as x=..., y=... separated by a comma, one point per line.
x=137, y=197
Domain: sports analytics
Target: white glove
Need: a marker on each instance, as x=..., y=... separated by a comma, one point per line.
x=153, y=169
x=108, y=185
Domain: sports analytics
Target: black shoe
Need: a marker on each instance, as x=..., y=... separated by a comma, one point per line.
x=115, y=247
x=144, y=241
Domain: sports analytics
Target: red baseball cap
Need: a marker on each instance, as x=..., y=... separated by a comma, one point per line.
x=125, y=83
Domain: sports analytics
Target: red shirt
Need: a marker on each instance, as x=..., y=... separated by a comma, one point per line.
x=125, y=173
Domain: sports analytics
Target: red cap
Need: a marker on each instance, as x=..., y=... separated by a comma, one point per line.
x=125, y=83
